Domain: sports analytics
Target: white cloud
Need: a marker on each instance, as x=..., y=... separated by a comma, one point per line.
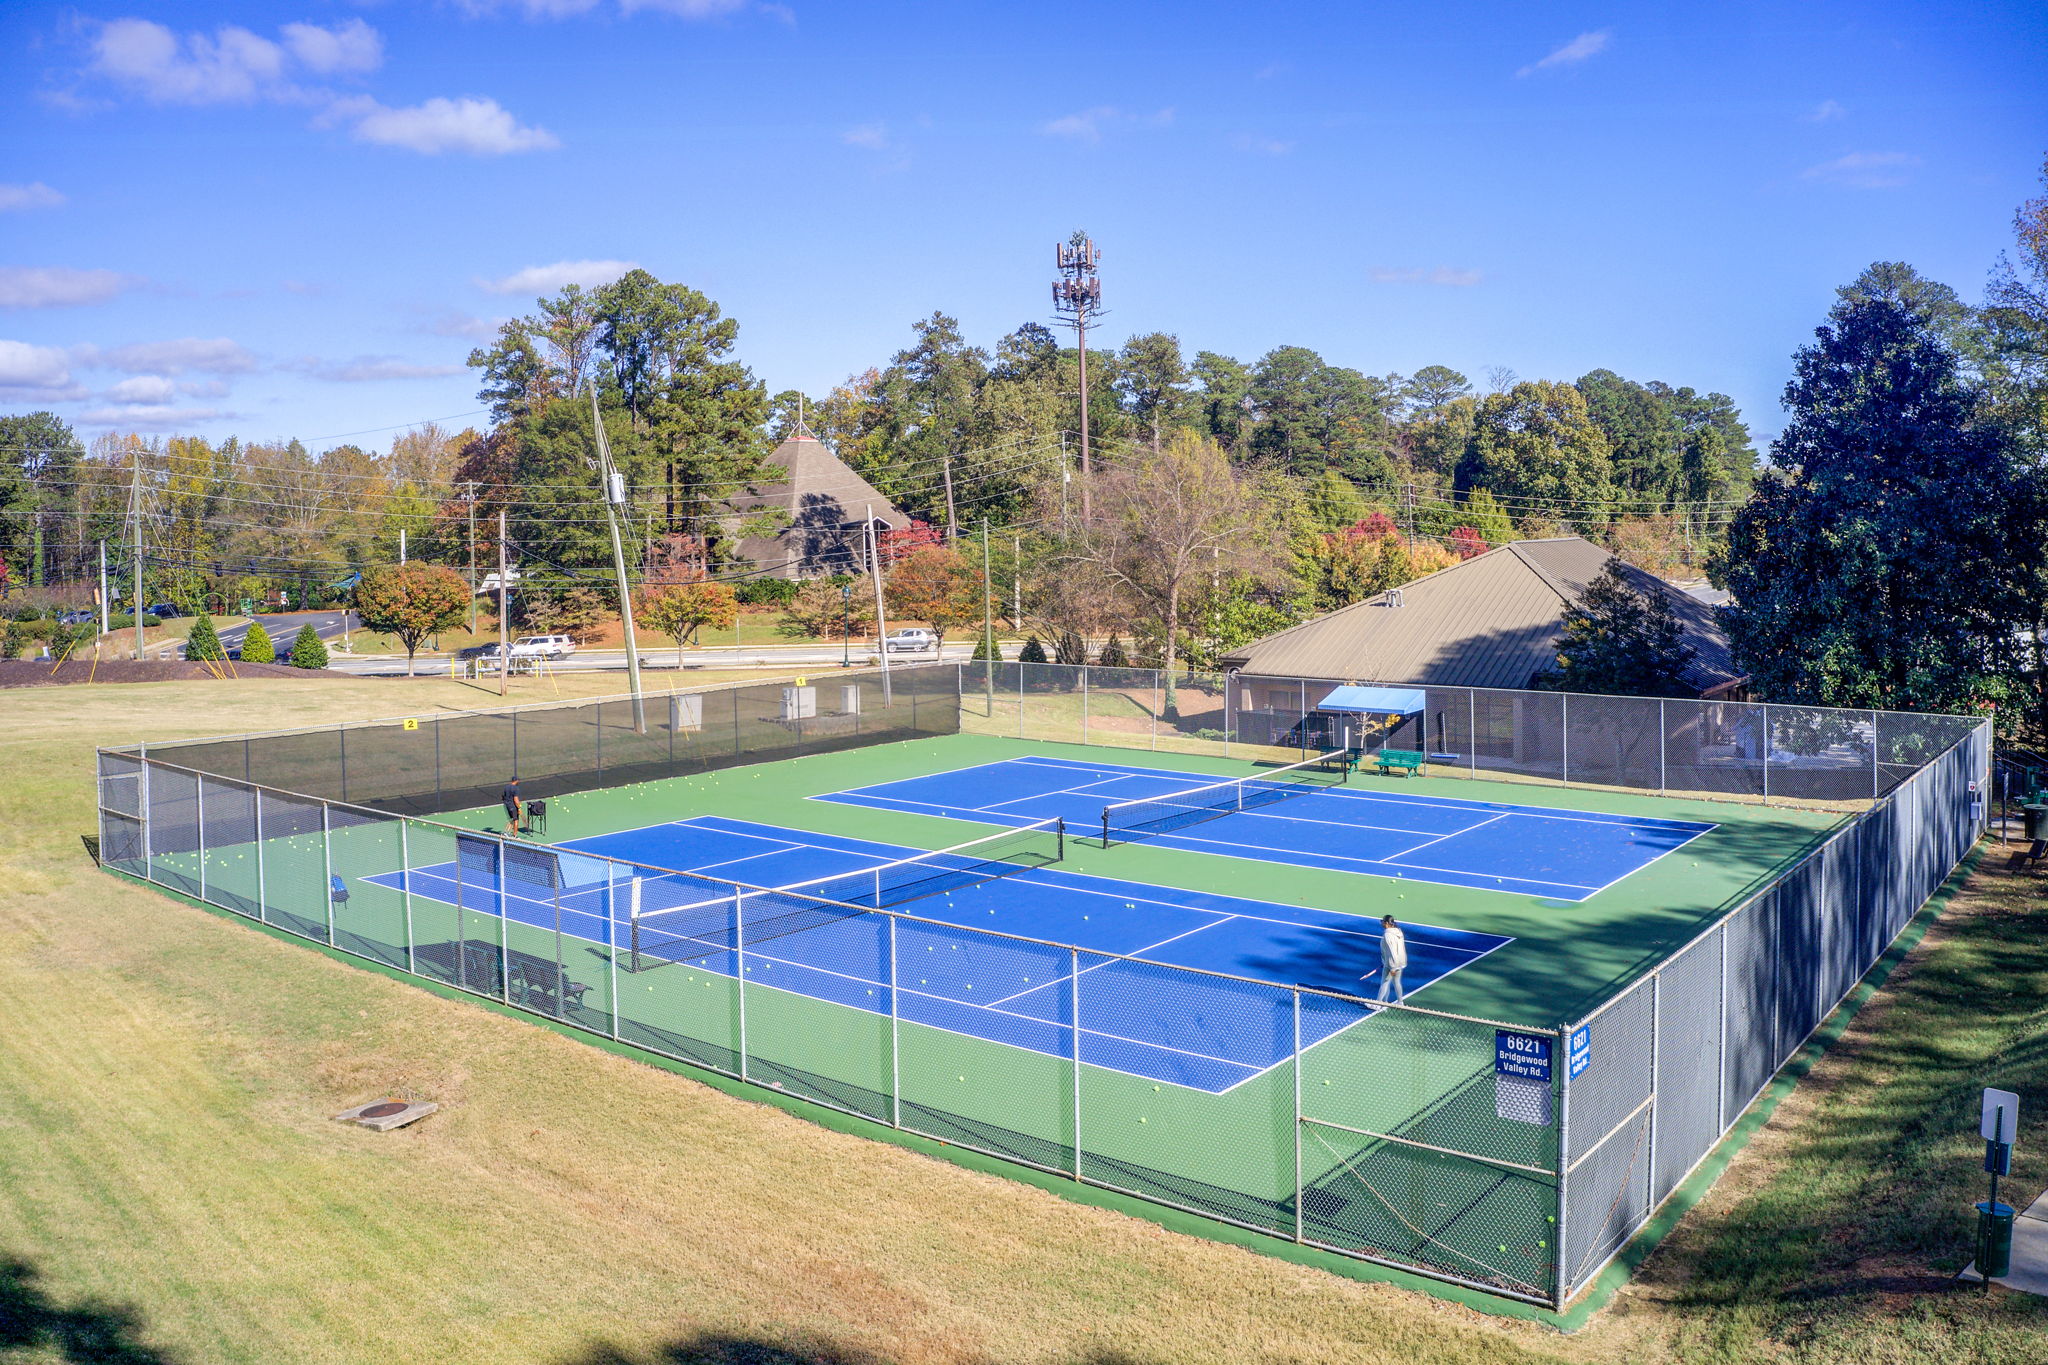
x=58, y=286
x=1827, y=111
x=1579, y=49
x=1443, y=274
x=215, y=355
x=35, y=195
x=370, y=369
x=873, y=136
x=472, y=124
x=143, y=388
x=550, y=279
x=1090, y=124
x=350, y=47
x=453, y=324
x=35, y=373
x=233, y=66
x=687, y=9
x=1264, y=146
x=1864, y=170
x=162, y=417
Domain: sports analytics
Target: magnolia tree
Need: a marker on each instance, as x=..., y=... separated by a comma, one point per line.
x=412, y=602
x=683, y=609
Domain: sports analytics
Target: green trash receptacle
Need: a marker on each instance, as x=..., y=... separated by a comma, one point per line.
x=1994, y=1239
x=2037, y=821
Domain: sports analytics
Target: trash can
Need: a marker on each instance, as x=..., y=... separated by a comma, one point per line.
x=1994, y=1240
x=2037, y=821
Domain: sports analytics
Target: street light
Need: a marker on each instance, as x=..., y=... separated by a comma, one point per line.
x=846, y=625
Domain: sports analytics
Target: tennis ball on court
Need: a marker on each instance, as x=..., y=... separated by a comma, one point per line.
x=963, y=1078
x=1144, y=1120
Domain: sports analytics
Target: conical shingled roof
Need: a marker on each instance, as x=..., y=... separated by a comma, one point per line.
x=825, y=501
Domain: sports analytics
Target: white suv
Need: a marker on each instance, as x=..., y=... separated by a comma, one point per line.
x=543, y=647
x=914, y=641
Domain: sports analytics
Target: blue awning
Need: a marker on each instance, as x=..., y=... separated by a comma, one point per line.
x=1376, y=701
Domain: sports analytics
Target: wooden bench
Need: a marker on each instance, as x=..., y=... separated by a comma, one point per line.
x=1404, y=761
x=2032, y=854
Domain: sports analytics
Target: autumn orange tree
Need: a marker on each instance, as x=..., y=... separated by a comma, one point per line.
x=935, y=585
x=683, y=609
x=412, y=602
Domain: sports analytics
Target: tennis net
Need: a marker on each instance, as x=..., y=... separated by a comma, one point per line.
x=744, y=916
x=1129, y=820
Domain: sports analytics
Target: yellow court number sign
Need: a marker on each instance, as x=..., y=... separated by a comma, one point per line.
x=411, y=724
x=801, y=681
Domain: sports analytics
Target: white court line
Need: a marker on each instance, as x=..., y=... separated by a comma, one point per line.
x=1404, y=799
x=1114, y=957
x=1452, y=835
x=1264, y=854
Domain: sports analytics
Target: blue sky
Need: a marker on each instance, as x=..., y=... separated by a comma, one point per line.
x=296, y=219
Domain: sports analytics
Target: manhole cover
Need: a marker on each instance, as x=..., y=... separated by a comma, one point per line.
x=382, y=1111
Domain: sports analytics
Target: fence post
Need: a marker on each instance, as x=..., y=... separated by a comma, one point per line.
x=895, y=1038
x=739, y=957
x=1084, y=703
x=1472, y=731
x=1721, y=1051
x=1074, y=1012
x=1561, y=1067
x=611, y=937
x=1875, y=781
x=1663, y=746
x=1656, y=1004
x=327, y=864
x=262, y=894
x=405, y=878
x=199, y=826
x=142, y=789
x=504, y=914
x=1564, y=738
x=1767, y=752
x=1158, y=688
x=1297, y=1115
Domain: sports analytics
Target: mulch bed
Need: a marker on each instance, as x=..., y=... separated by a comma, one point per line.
x=41, y=673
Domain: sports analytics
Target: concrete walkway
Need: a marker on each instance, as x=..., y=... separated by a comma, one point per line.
x=2029, y=1251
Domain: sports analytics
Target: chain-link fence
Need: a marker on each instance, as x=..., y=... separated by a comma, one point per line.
x=431, y=764
x=1750, y=751
x=1518, y=1159
x=1657, y=1074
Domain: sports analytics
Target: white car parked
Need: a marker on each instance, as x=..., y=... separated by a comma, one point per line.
x=550, y=647
x=910, y=641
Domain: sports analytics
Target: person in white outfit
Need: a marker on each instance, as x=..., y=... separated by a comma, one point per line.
x=1393, y=958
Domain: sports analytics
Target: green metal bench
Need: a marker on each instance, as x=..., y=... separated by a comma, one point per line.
x=1403, y=761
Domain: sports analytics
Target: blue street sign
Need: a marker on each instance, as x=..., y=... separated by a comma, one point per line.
x=1580, y=1053
x=1523, y=1055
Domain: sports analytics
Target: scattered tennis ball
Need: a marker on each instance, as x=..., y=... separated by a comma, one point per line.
x=1144, y=1120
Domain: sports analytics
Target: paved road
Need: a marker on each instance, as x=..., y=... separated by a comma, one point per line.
x=284, y=627
x=662, y=661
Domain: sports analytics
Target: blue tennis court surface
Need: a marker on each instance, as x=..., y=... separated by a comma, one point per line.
x=1207, y=1033
x=1563, y=855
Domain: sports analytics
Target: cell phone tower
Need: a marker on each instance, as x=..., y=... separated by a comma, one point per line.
x=1076, y=301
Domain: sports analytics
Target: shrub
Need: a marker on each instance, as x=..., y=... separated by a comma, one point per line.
x=307, y=651
x=204, y=642
x=768, y=592
x=1033, y=652
x=256, y=645
x=1112, y=655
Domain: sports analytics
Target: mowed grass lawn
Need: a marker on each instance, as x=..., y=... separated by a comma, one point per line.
x=172, y=1187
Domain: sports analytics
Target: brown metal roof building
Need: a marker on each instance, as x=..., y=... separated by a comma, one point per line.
x=826, y=505
x=1492, y=621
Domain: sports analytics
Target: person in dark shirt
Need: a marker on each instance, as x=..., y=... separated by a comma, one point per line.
x=510, y=796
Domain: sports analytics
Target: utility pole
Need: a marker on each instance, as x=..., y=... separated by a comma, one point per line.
x=504, y=644
x=1017, y=580
x=135, y=530
x=105, y=626
x=1076, y=301
x=867, y=516
x=470, y=499
x=401, y=545
x=615, y=503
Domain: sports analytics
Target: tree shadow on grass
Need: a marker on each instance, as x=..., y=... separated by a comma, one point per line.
x=720, y=1348
x=105, y=1334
